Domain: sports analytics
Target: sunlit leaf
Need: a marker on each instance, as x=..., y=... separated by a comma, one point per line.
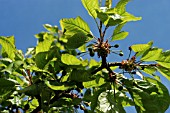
x=152, y=54
x=82, y=48
x=93, y=63
x=58, y=87
x=150, y=70
x=73, y=26
x=8, y=46
x=164, y=59
x=91, y=6
x=108, y=3
x=126, y=17
x=94, y=83
x=140, y=47
x=94, y=98
x=34, y=104
x=44, y=45
x=165, y=72
x=121, y=6
x=118, y=28
x=107, y=102
x=52, y=29
x=70, y=59
x=120, y=36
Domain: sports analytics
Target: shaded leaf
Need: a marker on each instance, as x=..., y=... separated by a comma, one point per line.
x=149, y=95
x=41, y=60
x=76, y=41
x=6, y=89
x=80, y=75
x=32, y=90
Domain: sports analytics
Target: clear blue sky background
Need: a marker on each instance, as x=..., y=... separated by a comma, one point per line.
x=24, y=19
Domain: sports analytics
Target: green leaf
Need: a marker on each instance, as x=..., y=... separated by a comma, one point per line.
x=80, y=75
x=32, y=90
x=113, y=20
x=120, y=36
x=165, y=72
x=94, y=83
x=149, y=96
x=121, y=6
x=73, y=26
x=8, y=69
x=76, y=41
x=118, y=28
x=6, y=89
x=163, y=97
x=108, y=3
x=91, y=6
x=8, y=46
x=152, y=54
x=44, y=46
x=104, y=17
x=150, y=70
x=93, y=63
x=82, y=48
x=41, y=60
x=109, y=19
x=58, y=87
x=34, y=103
x=94, y=98
x=107, y=103
x=52, y=29
x=140, y=47
x=126, y=17
x=70, y=59
x=164, y=59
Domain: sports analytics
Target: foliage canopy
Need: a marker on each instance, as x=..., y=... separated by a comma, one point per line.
x=56, y=76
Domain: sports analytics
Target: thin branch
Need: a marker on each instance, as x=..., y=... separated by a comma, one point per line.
x=97, y=70
x=104, y=32
x=97, y=24
x=100, y=31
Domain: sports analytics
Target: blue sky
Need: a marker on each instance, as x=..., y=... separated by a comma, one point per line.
x=24, y=19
